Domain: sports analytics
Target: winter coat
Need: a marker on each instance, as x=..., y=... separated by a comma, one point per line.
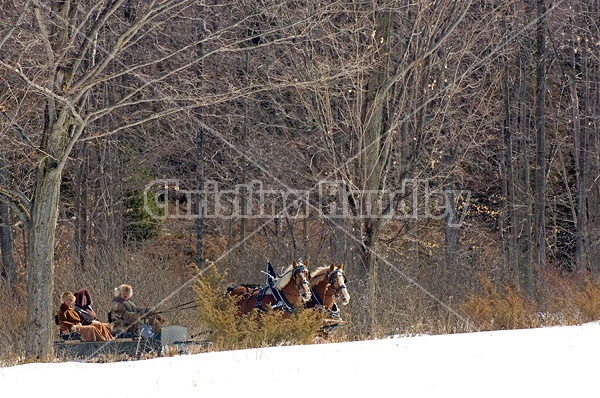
x=67, y=317
x=125, y=315
x=83, y=305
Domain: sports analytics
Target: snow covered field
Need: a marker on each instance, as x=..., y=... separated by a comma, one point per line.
x=547, y=362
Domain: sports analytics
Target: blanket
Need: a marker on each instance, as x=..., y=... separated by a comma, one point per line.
x=97, y=331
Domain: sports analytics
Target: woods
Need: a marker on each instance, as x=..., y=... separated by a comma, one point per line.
x=423, y=144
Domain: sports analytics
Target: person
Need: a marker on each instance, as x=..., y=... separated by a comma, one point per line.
x=127, y=317
x=83, y=306
x=70, y=325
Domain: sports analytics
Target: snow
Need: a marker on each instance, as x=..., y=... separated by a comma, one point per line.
x=545, y=362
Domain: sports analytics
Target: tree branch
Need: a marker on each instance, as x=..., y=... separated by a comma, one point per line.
x=16, y=128
x=12, y=28
x=18, y=202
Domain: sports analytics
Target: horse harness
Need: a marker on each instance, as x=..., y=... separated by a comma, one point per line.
x=331, y=281
x=334, y=311
x=280, y=300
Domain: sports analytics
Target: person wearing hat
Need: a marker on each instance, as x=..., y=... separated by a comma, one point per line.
x=70, y=326
x=83, y=306
x=68, y=318
x=127, y=316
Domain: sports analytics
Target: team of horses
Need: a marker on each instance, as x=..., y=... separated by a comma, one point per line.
x=296, y=286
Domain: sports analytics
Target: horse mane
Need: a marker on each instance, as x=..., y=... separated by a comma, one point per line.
x=318, y=274
x=284, y=279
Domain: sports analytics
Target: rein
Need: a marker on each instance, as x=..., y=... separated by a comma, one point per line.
x=183, y=306
x=315, y=296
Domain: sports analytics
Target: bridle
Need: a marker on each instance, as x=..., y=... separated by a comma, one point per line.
x=301, y=269
x=331, y=279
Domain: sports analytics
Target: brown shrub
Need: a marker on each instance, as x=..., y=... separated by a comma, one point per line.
x=588, y=300
x=492, y=310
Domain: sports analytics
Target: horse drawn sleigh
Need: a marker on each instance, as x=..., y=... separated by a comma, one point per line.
x=83, y=335
x=295, y=287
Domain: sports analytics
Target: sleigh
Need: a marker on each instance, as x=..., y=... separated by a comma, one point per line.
x=168, y=338
x=143, y=343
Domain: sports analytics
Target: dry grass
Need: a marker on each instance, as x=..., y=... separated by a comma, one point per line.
x=587, y=301
x=560, y=300
x=12, y=323
x=494, y=310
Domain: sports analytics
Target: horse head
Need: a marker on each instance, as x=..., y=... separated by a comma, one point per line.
x=300, y=278
x=337, y=280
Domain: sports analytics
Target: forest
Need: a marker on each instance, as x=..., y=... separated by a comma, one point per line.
x=447, y=152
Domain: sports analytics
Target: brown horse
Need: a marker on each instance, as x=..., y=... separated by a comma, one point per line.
x=289, y=290
x=328, y=284
x=243, y=289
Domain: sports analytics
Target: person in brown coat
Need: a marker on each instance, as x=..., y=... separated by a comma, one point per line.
x=127, y=317
x=70, y=326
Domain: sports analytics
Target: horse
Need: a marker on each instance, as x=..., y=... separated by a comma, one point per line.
x=290, y=290
x=243, y=289
x=327, y=284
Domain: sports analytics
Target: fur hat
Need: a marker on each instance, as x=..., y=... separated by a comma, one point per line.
x=67, y=296
x=124, y=289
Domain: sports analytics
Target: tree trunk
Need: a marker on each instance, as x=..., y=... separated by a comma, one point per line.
x=451, y=228
x=200, y=151
x=591, y=206
x=540, y=119
x=244, y=192
x=579, y=140
x=375, y=155
x=338, y=240
x=8, y=267
x=40, y=264
x=111, y=190
x=523, y=192
x=512, y=258
x=81, y=207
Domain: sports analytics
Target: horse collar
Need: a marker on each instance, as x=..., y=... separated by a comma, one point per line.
x=280, y=300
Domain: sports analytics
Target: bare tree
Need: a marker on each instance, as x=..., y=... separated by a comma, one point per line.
x=373, y=67
x=76, y=58
x=76, y=54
